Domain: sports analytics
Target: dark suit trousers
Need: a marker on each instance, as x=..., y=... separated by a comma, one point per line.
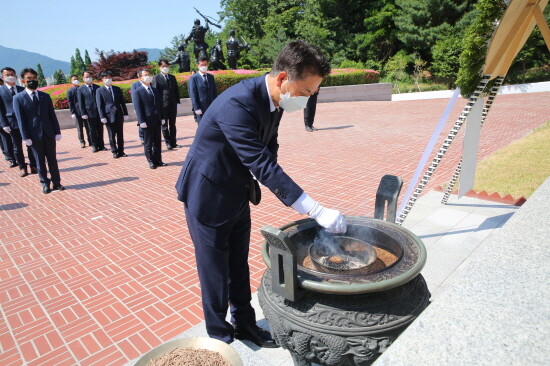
x=169, y=128
x=17, y=142
x=309, y=111
x=96, y=132
x=152, y=141
x=116, y=136
x=7, y=145
x=222, y=264
x=80, y=126
x=45, y=150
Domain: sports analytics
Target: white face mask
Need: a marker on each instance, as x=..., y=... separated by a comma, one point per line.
x=147, y=79
x=292, y=104
x=88, y=80
x=203, y=69
x=108, y=82
x=164, y=70
x=10, y=79
x=76, y=82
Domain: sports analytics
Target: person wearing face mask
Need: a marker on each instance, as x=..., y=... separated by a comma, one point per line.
x=167, y=86
x=74, y=107
x=8, y=122
x=112, y=113
x=202, y=89
x=88, y=107
x=6, y=144
x=237, y=138
x=39, y=128
x=148, y=105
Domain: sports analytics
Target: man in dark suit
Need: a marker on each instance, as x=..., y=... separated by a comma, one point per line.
x=74, y=107
x=167, y=86
x=309, y=112
x=237, y=136
x=88, y=108
x=6, y=144
x=148, y=105
x=136, y=85
x=112, y=113
x=39, y=128
x=202, y=88
x=8, y=121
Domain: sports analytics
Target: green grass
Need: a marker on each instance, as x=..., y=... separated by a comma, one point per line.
x=519, y=168
x=412, y=88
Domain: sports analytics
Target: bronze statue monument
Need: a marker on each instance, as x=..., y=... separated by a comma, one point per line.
x=182, y=59
x=234, y=47
x=216, y=56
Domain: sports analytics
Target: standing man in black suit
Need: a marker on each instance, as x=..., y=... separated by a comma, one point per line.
x=88, y=108
x=8, y=121
x=6, y=144
x=112, y=113
x=202, y=88
x=167, y=86
x=309, y=112
x=39, y=128
x=74, y=107
x=148, y=105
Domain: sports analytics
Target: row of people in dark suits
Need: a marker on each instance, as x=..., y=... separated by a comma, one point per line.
x=28, y=117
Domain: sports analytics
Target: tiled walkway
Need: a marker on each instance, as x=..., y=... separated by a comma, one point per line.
x=104, y=271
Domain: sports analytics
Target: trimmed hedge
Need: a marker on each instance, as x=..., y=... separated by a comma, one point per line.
x=224, y=80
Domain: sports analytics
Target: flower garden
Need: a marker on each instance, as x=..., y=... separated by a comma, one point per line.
x=224, y=79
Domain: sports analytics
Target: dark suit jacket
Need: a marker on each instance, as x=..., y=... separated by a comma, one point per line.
x=135, y=85
x=236, y=136
x=148, y=109
x=170, y=93
x=201, y=96
x=113, y=110
x=72, y=98
x=87, y=101
x=7, y=115
x=35, y=125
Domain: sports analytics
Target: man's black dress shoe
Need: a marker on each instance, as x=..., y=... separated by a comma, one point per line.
x=13, y=164
x=58, y=188
x=169, y=147
x=310, y=129
x=115, y=155
x=162, y=164
x=152, y=166
x=122, y=155
x=46, y=190
x=34, y=170
x=256, y=335
x=95, y=149
x=103, y=149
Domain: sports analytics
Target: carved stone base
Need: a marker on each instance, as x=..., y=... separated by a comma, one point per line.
x=341, y=330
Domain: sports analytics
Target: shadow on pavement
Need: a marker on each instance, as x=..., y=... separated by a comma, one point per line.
x=101, y=183
x=335, y=128
x=13, y=206
x=71, y=158
x=4, y=184
x=81, y=167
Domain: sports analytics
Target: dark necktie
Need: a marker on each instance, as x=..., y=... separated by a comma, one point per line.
x=91, y=89
x=111, y=92
x=205, y=80
x=167, y=79
x=13, y=91
x=35, y=102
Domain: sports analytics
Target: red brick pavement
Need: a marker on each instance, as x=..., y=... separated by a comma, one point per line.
x=104, y=271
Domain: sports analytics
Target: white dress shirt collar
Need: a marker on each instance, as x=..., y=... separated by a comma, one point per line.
x=271, y=104
x=29, y=92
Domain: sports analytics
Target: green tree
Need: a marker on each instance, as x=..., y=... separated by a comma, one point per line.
x=59, y=77
x=445, y=55
x=73, y=70
x=41, y=78
x=87, y=60
x=420, y=23
x=80, y=67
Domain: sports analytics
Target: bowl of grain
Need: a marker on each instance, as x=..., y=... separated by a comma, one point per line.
x=195, y=351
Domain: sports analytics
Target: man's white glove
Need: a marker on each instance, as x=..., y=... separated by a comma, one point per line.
x=28, y=142
x=198, y=111
x=126, y=117
x=57, y=137
x=73, y=116
x=333, y=221
x=85, y=116
x=163, y=121
x=104, y=120
x=143, y=125
x=7, y=129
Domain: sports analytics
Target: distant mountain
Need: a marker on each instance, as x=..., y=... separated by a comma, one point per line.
x=153, y=53
x=19, y=59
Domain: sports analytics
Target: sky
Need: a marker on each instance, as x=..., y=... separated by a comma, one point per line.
x=55, y=28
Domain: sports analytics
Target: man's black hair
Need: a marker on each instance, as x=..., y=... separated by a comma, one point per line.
x=106, y=73
x=140, y=72
x=300, y=59
x=74, y=76
x=28, y=70
x=7, y=68
x=163, y=60
x=87, y=71
x=202, y=58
